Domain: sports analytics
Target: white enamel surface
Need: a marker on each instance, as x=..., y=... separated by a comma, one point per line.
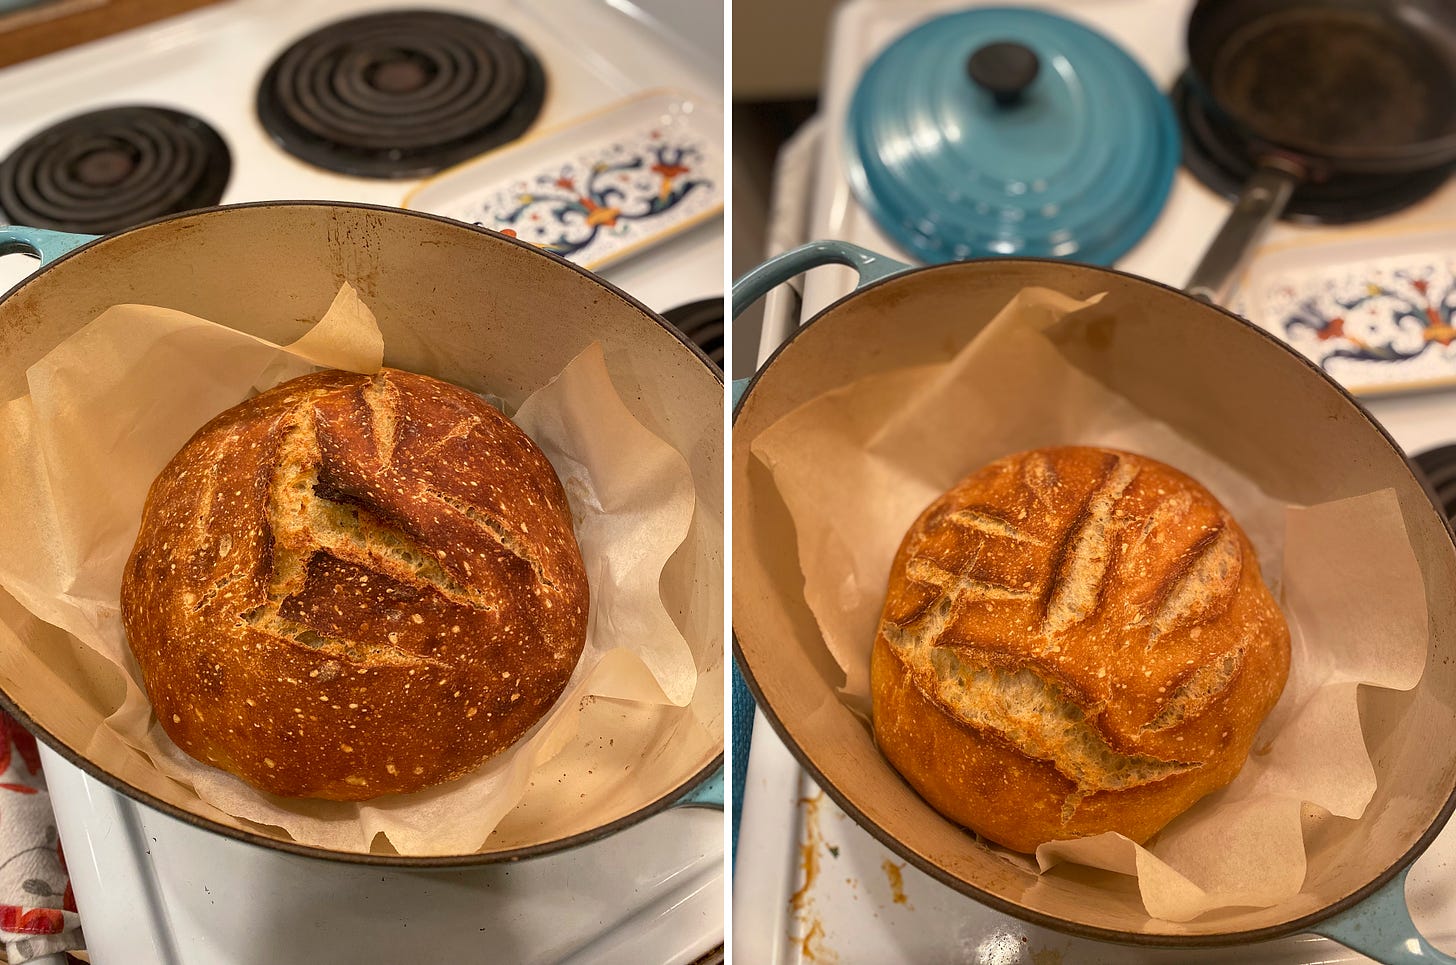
x=153, y=891
x=850, y=907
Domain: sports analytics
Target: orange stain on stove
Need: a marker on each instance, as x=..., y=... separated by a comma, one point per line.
x=895, y=875
x=809, y=850
x=812, y=947
x=811, y=936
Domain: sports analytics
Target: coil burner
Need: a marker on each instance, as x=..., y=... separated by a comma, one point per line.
x=400, y=94
x=112, y=169
x=702, y=323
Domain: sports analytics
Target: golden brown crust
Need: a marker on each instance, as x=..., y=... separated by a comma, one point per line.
x=1074, y=641
x=351, y=586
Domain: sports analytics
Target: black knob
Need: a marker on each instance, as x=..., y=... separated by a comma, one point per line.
x=1005, y=69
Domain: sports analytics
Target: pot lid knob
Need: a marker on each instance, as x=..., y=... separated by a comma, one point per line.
x=1005, y=69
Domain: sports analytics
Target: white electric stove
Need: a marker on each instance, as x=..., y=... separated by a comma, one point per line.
x=153, y=891
x=861, y=903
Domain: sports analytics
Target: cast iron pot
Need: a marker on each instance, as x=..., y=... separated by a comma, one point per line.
x=1225, y=385
x=454, y=301
x=1315, y=90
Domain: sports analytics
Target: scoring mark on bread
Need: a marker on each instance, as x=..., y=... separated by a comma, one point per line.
x=498, y=531
x=381, y=397
x=961, y=587
x=460, y=430
x=1201, y=689
x=1082, y=556
x=1029, y=711
x=1199, y=586
x=305, y=519
x=992, y=524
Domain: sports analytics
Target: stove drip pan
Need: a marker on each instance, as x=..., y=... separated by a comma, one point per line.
x=702, y=323
x=401, y=94
x=1438, y=467
x=111, y=169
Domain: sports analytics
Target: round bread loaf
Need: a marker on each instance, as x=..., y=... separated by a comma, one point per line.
x=355, y=585
x=1074, y=641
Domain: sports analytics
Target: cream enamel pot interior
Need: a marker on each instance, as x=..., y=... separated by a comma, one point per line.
x=1224, y=384
x=460, y=303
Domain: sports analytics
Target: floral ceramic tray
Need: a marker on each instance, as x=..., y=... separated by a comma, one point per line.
x=1376, y=311
x=596, y=189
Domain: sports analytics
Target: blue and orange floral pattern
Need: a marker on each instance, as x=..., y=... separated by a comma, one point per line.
x=569, y=211
x=1374, y=326
x=605, y=186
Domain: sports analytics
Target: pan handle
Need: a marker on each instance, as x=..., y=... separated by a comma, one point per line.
x=1381, y=927
x=1260, y=204
x=39, y=242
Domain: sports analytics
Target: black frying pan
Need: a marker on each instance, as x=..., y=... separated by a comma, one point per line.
x=1318, y=89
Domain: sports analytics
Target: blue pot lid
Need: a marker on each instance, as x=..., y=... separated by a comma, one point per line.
x=1069, y=153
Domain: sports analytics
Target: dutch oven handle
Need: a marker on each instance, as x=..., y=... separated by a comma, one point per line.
x=1381, y=927
x=870, y=266
x=39, y=242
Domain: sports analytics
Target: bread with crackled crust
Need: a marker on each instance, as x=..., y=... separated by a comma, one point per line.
x=355, y=585
x=1074, y=640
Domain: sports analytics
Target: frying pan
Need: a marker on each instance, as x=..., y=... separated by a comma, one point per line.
x=1282, y=422
x=1316, y=89
x=460, y=303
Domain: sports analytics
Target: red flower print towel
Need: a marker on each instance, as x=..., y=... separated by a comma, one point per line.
x=37, y=909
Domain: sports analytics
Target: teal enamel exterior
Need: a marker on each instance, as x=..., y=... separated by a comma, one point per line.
x=762, y=279
x=39, y=243
x=1078, y=167
x=708, y=794
x=870, y=265
x=1381, y=927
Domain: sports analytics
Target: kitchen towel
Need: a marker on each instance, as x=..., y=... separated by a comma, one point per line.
x=37, y=910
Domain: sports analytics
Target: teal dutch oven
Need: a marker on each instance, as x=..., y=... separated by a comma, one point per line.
x=454, y=301
x=1224, y=384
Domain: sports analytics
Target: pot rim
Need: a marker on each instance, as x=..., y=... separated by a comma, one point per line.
x=419, y=862
x=1304, y=923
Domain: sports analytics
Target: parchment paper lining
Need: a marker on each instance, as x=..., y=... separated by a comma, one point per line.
x=110, y=406
x=857, y=465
